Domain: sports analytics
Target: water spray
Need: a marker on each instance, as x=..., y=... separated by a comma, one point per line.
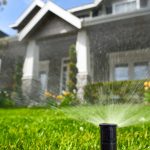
x=108, y=136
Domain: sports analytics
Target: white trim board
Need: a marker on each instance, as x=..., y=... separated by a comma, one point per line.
x=114, y=17
x=27, y=12
x=50, y=7
x=61, y=72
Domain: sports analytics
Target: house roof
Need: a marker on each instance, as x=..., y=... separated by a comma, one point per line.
x=84, y=7
x=114, y=17
x=45, y=8
x=2, y=34
x=34, y=4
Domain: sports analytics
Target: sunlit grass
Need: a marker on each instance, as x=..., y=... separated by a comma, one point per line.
x=42, y=129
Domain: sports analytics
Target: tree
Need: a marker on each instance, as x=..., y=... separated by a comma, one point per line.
x=3, y=2
x=72, y=69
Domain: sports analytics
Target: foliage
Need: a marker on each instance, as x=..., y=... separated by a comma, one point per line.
x=17, y=80
x=4, y=43
x=54, y=130
x=51, y=99
x=147, y=91
x=5, y=99
x=17, y=75
x=114, y=92
x=3, y=2
x=68, y=99
x=64, y=99
x=72, y=69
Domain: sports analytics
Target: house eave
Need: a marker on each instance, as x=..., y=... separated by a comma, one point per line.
x=35, y=3
x=114, y=17
x=50, y=7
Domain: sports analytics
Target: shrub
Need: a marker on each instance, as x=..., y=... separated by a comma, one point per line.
x=147, y=92
x=71, y=85
x=68, y=99
x=114, y=92
x=5, y=99
x=64, y=99
x=17, y=81
x=51, y=99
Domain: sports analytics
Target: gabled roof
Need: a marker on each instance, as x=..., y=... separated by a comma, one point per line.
x=34, y=4
x=84, y=7
x=49, y=7
x=2, y=34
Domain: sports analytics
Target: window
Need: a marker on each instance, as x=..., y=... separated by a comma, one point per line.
x=121, y=72
x=125, y=6
x=64, y=74
x=43, y=81
x=43, y=75
x=141, y=71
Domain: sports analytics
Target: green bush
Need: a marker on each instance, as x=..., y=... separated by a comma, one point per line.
x=115, y=92
x=147, y=97
x=71, y=85
x=51, y=102
x=147, y=92
x=5, y=99
x=69, y=99
x=17, y=82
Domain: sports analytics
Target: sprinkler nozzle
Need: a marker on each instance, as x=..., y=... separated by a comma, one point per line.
x=108, y=136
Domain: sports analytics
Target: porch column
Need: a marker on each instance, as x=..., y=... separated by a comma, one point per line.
x=30, y=79
x=83, y=62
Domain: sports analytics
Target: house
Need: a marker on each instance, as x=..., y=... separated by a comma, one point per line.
x=2, y=34
x=112, y=39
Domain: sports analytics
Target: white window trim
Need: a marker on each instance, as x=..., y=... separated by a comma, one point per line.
x=138, y=4
x=124, y=1
x=135, y=56
x=61, y=73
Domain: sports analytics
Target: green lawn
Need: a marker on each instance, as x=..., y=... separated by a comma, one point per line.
x=66, y=129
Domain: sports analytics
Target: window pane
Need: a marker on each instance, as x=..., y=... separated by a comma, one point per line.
x=121, y=72
x=43, y=80
x=141, y=70
x=64, y=74
x=125, y=7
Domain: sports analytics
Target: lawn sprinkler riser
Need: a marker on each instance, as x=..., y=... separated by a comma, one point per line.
x=108, y=136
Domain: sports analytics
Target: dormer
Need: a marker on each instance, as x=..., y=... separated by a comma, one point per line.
x=124, y=6
x=105, y=7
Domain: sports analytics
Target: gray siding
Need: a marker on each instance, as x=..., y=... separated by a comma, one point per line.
x=9, y=54
x=117, y=36
x=51, y=25
x=54, y=50
x=122, y=35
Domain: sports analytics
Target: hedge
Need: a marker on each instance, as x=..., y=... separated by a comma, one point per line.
x=115, y=92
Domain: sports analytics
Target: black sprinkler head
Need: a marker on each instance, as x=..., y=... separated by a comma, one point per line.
x=108, y=136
